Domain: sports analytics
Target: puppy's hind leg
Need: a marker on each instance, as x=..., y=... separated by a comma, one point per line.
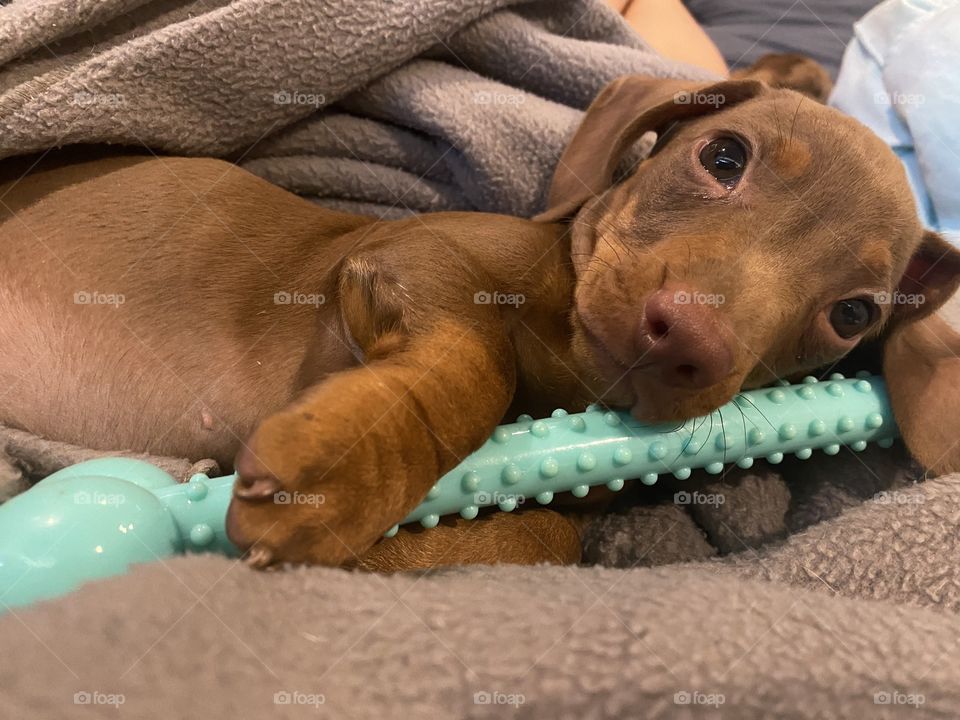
x=524, y=537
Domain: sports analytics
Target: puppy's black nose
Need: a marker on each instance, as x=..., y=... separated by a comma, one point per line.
x=682, y=335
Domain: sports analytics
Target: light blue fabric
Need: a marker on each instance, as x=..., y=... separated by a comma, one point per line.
x=901, y=77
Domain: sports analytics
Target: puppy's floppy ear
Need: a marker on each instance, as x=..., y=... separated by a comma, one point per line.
x=930, y=279
x=921, y=358
x=623, y=111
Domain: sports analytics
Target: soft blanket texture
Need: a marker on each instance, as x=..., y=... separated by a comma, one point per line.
x=378, y=107
x=859, y=622
x=822, y=605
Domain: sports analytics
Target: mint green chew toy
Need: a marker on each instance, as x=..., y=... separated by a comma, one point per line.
x=98, y=518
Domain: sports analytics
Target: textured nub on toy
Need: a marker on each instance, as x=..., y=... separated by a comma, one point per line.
x=532, y=460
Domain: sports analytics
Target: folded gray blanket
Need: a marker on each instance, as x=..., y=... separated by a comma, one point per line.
x=840, y=634
x=377, y=107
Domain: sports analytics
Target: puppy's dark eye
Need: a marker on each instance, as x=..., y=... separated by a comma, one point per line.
x=851, y=317
x=724, y=158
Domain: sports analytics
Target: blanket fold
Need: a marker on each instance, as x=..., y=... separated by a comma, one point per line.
x=480, y=94
x=476, y=643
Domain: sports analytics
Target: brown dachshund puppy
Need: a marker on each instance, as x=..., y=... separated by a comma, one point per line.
x=186, y=307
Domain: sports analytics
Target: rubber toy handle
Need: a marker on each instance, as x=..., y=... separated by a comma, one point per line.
x=98, y=518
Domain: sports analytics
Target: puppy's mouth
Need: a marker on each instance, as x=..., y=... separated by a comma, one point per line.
x=638, y=388
x=654, y=403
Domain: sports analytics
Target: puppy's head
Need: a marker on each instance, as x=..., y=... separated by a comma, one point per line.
x=764, y=236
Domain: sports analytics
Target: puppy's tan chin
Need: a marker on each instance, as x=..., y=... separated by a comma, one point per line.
x=660, y=404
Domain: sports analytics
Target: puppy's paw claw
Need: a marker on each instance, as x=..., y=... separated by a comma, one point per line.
x=254, y=480
x=259, y=557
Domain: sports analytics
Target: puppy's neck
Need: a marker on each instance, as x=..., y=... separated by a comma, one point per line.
x=540, y=283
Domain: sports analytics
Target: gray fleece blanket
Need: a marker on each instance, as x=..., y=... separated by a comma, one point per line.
x=855, y=618
x=377, y=107
x=829, y=589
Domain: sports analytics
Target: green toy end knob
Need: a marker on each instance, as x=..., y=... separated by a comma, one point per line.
x=201, y=535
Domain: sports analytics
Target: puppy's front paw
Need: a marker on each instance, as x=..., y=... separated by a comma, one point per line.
x=298, y=494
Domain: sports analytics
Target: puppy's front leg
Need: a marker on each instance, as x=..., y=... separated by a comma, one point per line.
x=321, y=480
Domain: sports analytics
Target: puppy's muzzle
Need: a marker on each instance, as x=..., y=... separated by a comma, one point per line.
x=682, y=337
